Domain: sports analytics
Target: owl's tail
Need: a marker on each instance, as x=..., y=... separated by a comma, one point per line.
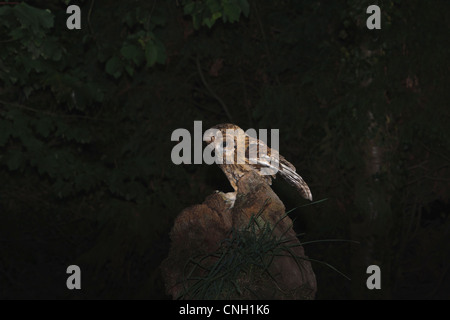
x=287, y=171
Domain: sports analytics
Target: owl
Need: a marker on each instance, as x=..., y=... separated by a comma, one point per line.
x=239, y=153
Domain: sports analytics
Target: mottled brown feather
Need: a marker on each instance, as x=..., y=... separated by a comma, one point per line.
x=235, y=170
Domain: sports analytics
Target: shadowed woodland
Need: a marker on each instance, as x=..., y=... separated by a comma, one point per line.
x=86, y=118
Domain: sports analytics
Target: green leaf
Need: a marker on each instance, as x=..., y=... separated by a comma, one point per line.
x=62, y=188
x=51, y=49
x=155, y=52
x=189, y=8
x=44, y=126
x=213, y=5
x=5, y=131
x=216, y=15
x=245, y=7
x=161, y=59
x=196, y=21
x=83, y=181
x=5, y=12
x=15, y=160
x=209, y=23
x=158, y=18
x=129, y=19
x=151, y=53
x=114, y=67
x=33, y=18
x=132, y=52
x=231, y=11
x=129, y=70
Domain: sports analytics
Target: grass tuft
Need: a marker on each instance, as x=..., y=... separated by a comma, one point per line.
x=240, y=266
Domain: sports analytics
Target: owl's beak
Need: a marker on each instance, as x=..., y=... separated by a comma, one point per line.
x=208, y=138
x=211, y=135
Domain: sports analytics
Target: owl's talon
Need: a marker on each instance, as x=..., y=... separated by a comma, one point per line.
x=229, y=198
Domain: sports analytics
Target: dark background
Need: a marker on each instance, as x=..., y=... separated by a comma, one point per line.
x=86, y=118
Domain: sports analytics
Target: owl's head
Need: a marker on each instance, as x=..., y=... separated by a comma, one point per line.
x=221, y=132
x=225, y=138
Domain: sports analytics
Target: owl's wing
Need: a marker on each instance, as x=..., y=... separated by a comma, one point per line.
x=287, y=171
x=274, y=163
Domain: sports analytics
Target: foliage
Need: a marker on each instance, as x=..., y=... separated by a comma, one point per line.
x=206, y=13
x=86, y=117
